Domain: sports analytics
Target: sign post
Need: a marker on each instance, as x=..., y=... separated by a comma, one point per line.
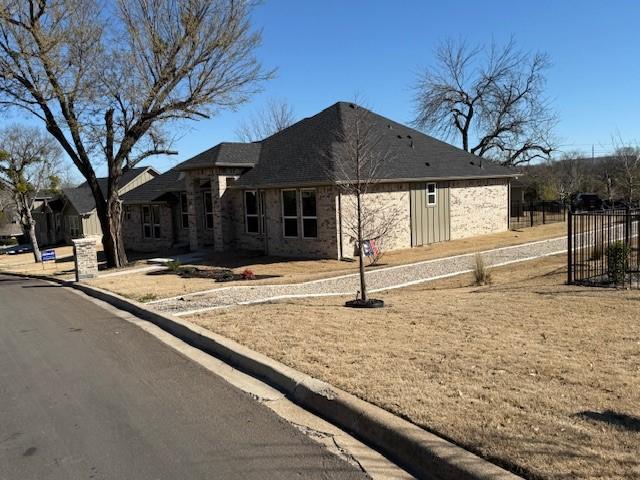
x=47, y=256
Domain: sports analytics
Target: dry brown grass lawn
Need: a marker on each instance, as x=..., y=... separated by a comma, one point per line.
x=541, y=377
x=150, y=286
x=23, y=263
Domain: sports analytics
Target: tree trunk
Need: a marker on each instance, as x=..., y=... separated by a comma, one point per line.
x=363, y=284
x=110, y=216
x=37, y=256
x=28, y=224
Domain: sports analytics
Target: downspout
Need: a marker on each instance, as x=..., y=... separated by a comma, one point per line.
x=340, y=247
x=262, y=204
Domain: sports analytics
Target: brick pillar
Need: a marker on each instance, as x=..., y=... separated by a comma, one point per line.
x=86, y=258
x=218, y=186
x=192, y=192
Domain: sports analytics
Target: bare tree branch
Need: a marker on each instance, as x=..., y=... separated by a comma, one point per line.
x=274, y=117
x=491, y=99
x=104, y=78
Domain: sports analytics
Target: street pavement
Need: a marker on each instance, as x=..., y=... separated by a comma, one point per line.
x=85, y=394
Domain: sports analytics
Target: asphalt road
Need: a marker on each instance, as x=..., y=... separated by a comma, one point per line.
x=87, y=395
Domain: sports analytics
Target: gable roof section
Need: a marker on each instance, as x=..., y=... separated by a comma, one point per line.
x=82, y=199
x=148, y=192
x=224, y=154
x=305, y=153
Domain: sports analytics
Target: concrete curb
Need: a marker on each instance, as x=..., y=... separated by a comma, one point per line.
x=422, y=453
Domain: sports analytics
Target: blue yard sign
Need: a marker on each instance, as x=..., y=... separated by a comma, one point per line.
x=48, y=255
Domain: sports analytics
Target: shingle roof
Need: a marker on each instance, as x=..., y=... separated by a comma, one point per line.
x=81, y=197
x=170, y=181
x=224, y=154
x=306, y=152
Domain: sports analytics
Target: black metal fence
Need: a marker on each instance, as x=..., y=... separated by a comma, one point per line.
x=528, y=214
x=603, y=248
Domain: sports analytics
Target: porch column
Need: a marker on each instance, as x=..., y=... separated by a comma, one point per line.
x=192, y=192
x=218, y=186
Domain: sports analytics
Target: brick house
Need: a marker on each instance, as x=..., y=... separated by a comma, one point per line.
x=71, y=213
x=280, y=196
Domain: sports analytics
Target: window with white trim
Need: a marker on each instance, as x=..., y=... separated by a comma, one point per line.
x=431, y=194
x=74, y=226
x=151, y=221
x=289, y=213
x=309, y=213
x=207, y=202
x=184, y=210
x=251, y=212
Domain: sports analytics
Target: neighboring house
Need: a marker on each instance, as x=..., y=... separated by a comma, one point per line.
x=10, y=228
x=72, y=213
x=156, y=215
x=278, y=196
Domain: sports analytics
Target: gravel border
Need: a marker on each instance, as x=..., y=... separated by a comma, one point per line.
x=381, y=279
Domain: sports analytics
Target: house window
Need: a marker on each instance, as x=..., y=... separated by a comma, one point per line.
x=289, y=213
x=74, y=226
x=431, y=194
x=309, y=214
x=184, y=210
x=251, y=216
x=127, y=212
x=151, y=221
x=58, y=222
x=207, y=201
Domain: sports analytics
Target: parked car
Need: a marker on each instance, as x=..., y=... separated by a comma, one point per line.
x=586, y=202
x=16, y=249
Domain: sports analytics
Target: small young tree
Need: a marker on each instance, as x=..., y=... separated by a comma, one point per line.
x=274, y=117
x=491, y=99
x=28, y=158
x=358, y=162
x=108, y=79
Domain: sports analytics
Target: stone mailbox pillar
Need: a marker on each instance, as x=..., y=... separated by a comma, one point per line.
x=86, y=258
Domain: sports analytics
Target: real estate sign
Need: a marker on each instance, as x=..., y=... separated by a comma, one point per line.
x=48, y=255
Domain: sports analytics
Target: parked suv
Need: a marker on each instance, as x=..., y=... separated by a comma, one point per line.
x=586, y=202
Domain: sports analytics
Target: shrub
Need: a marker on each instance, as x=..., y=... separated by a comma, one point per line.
x=248, y=275
x=617, y=261
x=481, y=273
x=174, y=265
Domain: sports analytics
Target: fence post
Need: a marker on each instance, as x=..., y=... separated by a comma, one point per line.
x=544, y=218
x=627, y=225
x=569, y=247
x=531, y=211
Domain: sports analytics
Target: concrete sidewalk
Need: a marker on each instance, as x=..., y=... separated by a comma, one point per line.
x=378, y=280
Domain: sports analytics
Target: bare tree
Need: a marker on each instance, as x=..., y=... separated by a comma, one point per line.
x=490, y=98
x=358, y=164
x=106, y=78
x=626, y=158
x=28, y=160
x=274, y=117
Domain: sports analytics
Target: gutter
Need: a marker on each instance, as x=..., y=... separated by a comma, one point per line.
x=325, y=183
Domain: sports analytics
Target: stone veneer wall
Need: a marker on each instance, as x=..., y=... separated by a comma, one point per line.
x=170, y=232
x=388, y=204
x=274, y=242
x=86, y=258
x=478, y=207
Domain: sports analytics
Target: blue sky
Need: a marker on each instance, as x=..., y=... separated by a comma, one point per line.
x=329, y=50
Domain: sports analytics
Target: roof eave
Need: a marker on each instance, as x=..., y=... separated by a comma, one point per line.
x=382, y=180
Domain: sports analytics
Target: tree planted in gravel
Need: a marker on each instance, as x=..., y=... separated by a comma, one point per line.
x=358, y=158
x=491, y=99
x=109, y=80
x=28, y=161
